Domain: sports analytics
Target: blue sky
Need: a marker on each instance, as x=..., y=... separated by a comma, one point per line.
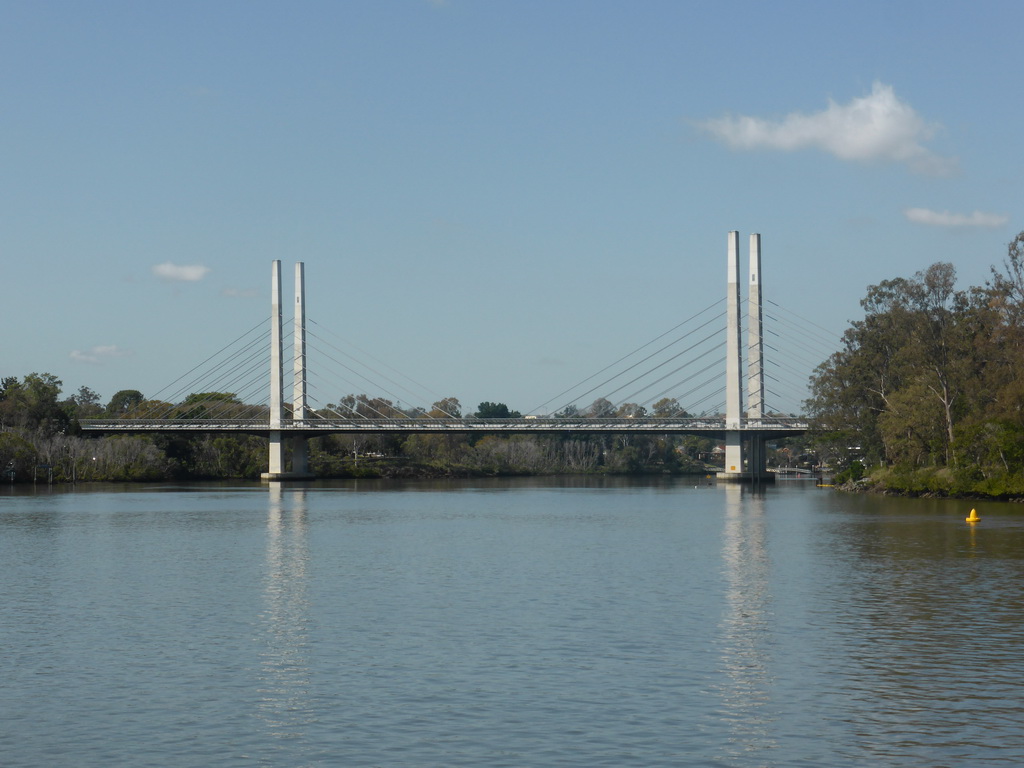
x=495, y=198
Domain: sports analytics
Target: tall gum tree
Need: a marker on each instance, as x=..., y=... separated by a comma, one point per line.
x=911, y=344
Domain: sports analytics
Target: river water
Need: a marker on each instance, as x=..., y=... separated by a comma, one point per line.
x=507, y=623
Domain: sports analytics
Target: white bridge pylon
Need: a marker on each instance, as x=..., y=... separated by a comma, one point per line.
x=743, y=464
x=299, y=443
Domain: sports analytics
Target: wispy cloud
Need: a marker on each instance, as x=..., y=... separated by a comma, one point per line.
x=96, y=355
x=877, y=127
x=180, y=273
x=947, y=219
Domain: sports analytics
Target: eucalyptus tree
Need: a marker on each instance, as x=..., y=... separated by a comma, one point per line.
x=911, y=371
x=32, y=404
x=124, y=402
x=668, y=408
x=901, y=371
x=489, y=410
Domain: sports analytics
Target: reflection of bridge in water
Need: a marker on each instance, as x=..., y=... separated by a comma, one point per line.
x=743, y=431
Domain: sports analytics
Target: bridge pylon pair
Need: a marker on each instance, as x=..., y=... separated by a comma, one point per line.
x=276, y=466
x=744, y=465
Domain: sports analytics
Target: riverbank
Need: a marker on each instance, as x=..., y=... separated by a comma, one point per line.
x=938, y=483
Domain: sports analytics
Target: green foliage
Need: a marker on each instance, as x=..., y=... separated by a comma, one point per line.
x=122, y=458
x=631, y=411
x=123, y=403
x=928, y=384
x=209, y=405
x=852, y=473
x=487, y=410
x=446, y=408
x=85, y=404
x=668, y=408
x=362, y=407
x=32, y=404
x=17, y=455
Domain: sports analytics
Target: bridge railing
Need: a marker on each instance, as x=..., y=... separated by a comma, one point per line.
x=550, y=424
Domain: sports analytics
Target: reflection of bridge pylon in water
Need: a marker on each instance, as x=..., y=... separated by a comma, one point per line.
x=744, y=442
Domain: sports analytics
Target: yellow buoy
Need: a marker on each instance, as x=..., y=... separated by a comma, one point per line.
x=973, y=517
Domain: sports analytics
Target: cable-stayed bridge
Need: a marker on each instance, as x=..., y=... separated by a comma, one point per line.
x=655, y=389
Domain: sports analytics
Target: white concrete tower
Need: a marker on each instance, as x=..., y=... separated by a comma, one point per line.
x=300, y=452
x=755, y=335
x=756, y=453
x=276, y=462
x=733, y=362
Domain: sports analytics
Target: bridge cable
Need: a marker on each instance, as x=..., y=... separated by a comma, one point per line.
x=670, y=373
x=796, y=356
x=648, y=357
x=242, y=392
x=799, y=367
x=192, y=385
x=714, y=364
x=204, y=362
x=362, y=376
x=665, y=362
x=356, y=373
x=789, y=369
x=224, y=385
x=626, y=356
x=799, y=359
x=821, y=342
x=830, y=333
x=697, y=388
x=254, y=361
x=372, y=370
x=353, y=412
x=422, y=387
x=718, y=408
x=198, y=379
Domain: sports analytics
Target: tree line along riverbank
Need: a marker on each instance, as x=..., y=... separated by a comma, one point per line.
x=925, y=395
x=40, y=441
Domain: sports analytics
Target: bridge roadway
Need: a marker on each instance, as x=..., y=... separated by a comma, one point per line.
x=766, y=428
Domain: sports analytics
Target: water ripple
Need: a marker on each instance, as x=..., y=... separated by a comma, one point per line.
x=522, y=625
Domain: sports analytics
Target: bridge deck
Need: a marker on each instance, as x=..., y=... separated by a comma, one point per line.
x=766, y=427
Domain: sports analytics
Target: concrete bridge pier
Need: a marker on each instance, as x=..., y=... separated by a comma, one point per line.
x=757, y=470
x=751, y=464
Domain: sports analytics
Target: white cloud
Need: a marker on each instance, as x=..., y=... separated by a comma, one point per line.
x=947, y=219
x=179, y=272
x=876, y=127
x=97, y=355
